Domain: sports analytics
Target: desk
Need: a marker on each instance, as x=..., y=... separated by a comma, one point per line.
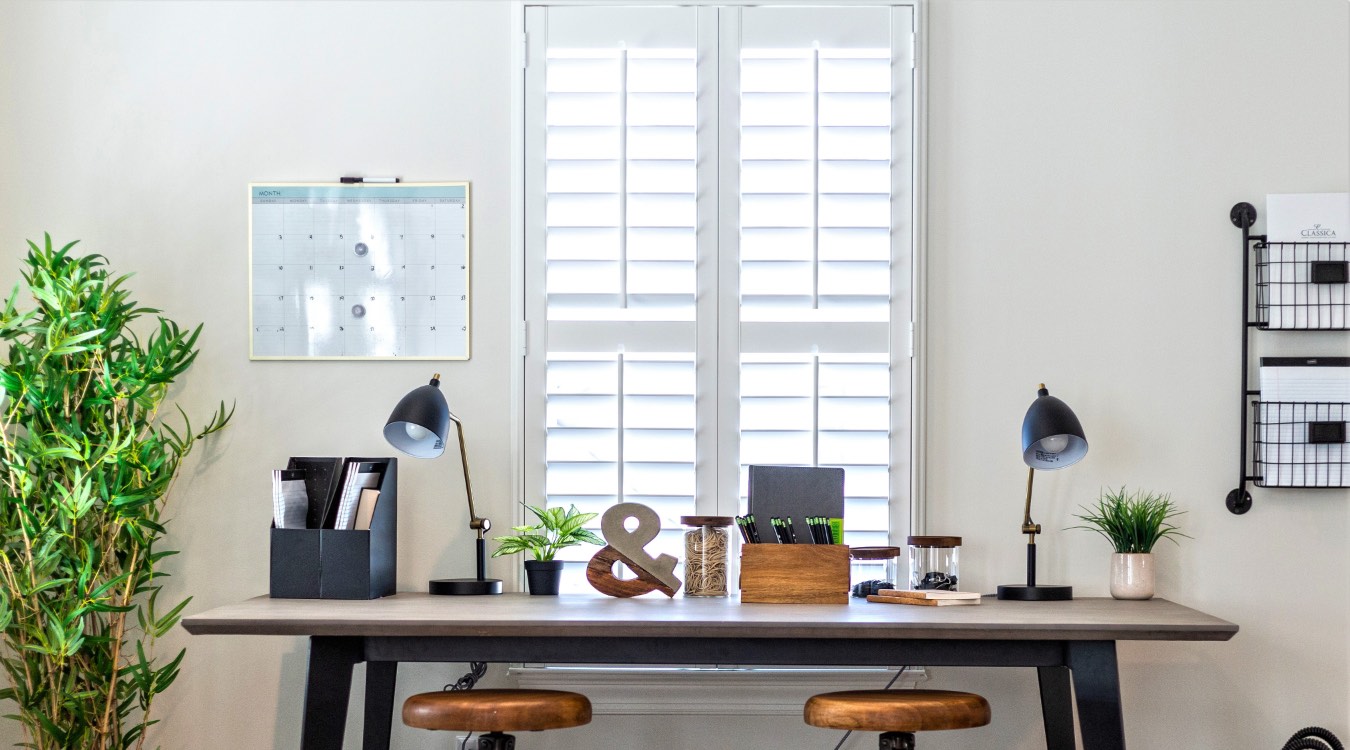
x=1068, y=643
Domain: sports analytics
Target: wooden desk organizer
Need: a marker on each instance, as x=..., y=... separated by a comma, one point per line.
x=794, y=573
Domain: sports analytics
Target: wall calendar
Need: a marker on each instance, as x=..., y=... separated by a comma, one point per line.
x=368, y=271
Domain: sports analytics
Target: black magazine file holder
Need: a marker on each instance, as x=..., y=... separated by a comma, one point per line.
x=338, y=564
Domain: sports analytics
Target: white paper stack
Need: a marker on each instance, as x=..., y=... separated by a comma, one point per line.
x=1295, y=392
x=360, y=476
x=289, y=499
x=1320, y=223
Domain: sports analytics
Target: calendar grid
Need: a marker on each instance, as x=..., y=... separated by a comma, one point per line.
x=366, y=272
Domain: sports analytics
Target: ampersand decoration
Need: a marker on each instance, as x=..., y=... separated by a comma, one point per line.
x=629, y=547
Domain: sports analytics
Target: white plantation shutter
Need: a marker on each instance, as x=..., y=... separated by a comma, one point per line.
x=718, y=250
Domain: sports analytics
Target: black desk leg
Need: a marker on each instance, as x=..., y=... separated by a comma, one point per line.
x=1057, y=707
x=379, y=704
x=1096, y=682
x=327, y=690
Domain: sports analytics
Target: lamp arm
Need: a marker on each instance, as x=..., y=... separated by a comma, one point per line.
x=1029, y=528
x=475, y=522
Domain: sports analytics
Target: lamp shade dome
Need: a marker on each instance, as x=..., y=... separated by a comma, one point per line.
x=1052, y=437
x=420, y=422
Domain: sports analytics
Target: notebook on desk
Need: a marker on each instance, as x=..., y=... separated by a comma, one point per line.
x=795, y=492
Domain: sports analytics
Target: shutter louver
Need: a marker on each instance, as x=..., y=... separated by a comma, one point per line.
x=717, y=288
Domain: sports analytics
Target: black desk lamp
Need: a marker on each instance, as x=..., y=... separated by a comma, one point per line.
x=418, y=427
x=1052, y=438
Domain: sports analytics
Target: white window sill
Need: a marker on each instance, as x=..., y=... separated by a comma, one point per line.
x=707, y=691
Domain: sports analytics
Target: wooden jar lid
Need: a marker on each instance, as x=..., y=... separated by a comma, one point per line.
x=934, y=541
x=873, y=553
x=707, y=520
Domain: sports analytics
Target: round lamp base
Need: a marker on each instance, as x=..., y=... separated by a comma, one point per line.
x=1036, y=593
x=464, y=586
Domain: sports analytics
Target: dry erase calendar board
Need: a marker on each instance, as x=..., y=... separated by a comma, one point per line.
x=359, y=271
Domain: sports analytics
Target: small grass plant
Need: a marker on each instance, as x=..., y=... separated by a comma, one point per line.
x=1133, y=522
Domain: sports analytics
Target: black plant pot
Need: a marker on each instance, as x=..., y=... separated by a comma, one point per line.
x=544, y=576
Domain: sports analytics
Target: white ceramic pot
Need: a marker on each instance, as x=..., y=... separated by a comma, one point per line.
x=1132, y=575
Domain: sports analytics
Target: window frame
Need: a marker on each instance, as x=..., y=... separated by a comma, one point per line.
x=528, y=338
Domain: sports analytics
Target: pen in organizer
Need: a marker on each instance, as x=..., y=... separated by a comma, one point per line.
x=791, y=532
x=813, y=524
x=740, y=525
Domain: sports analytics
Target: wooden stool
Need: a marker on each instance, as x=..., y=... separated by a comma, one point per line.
x=496, y=712
x=897, y=714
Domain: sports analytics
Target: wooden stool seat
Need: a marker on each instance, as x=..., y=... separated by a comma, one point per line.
x=897, y=710
x=496, y=710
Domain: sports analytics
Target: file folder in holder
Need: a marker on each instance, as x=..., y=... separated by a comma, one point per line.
x=327, y=563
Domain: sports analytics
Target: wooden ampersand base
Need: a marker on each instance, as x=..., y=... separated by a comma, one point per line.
x=600, y=573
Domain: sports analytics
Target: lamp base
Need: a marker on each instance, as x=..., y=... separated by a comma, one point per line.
x=464, y=586
x=1023, y=593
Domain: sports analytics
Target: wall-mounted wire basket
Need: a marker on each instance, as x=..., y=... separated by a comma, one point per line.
x=1300, y=444
x=1302, y=286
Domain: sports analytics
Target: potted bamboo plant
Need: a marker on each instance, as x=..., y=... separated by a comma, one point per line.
x=1133, y=523
x=556, y=530
x=86, y=462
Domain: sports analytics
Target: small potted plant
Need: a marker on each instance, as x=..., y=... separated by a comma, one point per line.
x=557, y=529
x=1132, y=523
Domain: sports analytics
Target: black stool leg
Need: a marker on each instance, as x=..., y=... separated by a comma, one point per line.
x=496, y=741
x=897, y=741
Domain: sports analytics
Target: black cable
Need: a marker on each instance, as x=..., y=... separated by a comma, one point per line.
x=465, y=743
x=476, y=671
x=844, y=739
x=1313, y=738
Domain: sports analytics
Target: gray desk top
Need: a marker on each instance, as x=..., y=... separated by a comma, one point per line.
x=595, y=616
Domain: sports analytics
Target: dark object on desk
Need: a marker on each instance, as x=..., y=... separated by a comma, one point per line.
x=795, y=492
x=1313, y=738
x=324, y=563
x=497, y=712
x=938, y=581
x=864, y=589
x=897, y=714
x=321, y=478
x=543, y=577
x=419, y=426
x=1052, y=438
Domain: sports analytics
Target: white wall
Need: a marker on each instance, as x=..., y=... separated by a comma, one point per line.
x=1083, y=158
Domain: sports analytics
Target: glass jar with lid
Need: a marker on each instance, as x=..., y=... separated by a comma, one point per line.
x=934, y=562
x=707, y=548
x=872, y=569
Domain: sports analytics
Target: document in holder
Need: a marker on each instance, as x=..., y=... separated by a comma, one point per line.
x=360, y=475
x=1301, y=398
x=365, y=509
x=290, y=500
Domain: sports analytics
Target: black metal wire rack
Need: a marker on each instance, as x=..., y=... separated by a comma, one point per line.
x=1300, y=444
x=1300, y=286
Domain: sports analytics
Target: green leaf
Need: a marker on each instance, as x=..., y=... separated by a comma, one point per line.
x=87, y=466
